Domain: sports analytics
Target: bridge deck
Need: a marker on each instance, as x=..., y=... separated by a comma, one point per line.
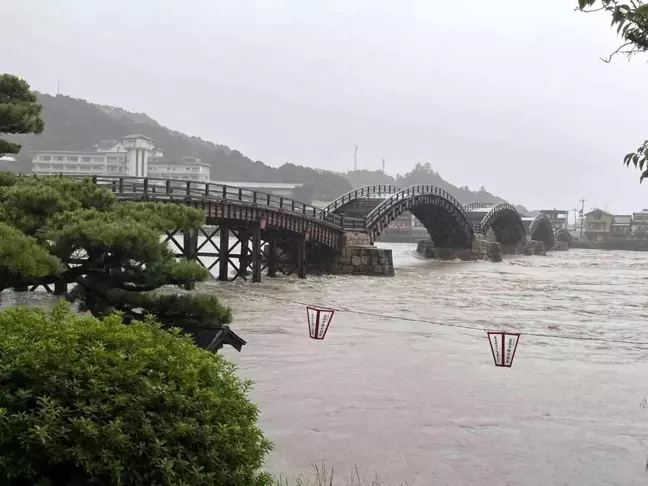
x=222, y=202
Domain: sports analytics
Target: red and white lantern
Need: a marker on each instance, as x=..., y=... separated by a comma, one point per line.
x=319, y=321
x=503, y=346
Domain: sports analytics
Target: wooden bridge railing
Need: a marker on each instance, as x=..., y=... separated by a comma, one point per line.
x=138, y=188
x=379, y=190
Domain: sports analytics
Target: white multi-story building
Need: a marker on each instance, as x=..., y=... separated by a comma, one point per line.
x=194, y=171
x=134, y=155
x=67, y=162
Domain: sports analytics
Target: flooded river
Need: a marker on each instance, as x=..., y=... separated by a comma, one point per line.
x=395, y=388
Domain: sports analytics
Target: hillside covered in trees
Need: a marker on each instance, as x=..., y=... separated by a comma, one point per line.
x=75, y=124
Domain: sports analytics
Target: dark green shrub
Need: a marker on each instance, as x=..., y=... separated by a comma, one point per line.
x=57, y=230
x=89, y=401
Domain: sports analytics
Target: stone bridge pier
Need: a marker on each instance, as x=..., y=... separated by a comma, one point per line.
x=356, y=256
x=480, y=249
x=359, y=256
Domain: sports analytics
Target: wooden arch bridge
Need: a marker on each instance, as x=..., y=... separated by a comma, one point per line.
x=449, y=223
x=248, y=232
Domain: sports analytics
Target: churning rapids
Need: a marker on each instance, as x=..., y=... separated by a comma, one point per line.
x=419, y=401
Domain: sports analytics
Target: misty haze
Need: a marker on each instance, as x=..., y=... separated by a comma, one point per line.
x=419, y=228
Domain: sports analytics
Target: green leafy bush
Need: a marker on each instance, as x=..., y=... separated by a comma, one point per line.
x=90, y=401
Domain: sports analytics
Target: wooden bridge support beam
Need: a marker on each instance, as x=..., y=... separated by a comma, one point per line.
x=256, y=253
x=301, y=256
x=223, y=257
x=244, y=259
x=60, y=287
x=190, y=250
x=272, y=256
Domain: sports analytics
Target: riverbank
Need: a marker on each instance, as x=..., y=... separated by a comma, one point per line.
x=611, y=244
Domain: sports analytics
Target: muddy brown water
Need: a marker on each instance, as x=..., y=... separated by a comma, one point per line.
x=395, y=389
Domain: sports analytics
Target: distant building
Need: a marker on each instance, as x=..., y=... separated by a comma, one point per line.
x=640, y=224
x=134, y=155
x=191, y=172
x=69, y=162
x=621, y=226
x=558, y=217
x=109, y=146
x=598, y=225
x=640, y=218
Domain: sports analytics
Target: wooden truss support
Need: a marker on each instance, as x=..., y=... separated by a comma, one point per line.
x=224, y=254
x=190, y=250
x=301, y=256
x=244, y=258
x=272, y=256
x=60, y=287
x=256, y=253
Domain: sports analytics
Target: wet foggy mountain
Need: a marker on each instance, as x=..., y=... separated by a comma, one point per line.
x=75, y=124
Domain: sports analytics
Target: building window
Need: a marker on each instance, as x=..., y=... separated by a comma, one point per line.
x=46, y=157
x=71, y=158
x=86, y=159
x=59, y=158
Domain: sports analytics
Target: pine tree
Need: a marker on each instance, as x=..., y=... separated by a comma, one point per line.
x=57, y=230
x=19, y=111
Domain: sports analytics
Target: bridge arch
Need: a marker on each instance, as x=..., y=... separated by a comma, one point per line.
x=441, y=214
x=541, y=229
x=472, y=205
x=564, y=235
x=360, y=201
x=505, y=222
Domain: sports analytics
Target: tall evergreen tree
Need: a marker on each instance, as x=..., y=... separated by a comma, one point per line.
x=19, y=111
x=57, y=230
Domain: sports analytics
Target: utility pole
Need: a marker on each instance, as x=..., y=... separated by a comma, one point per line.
x=355, y=158
x=582, y=209
x=383, y=165
x=58, y=87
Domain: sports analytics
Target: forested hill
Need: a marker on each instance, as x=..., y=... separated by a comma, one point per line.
x=75, y=124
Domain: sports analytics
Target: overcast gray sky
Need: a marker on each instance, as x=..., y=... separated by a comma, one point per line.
x=508, y=94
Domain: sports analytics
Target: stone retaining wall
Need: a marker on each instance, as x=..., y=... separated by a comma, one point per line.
x=535, y=247
x=356, y=238
x=481, y=249
x=560, y=246
x=530, y=247
x=363, y=260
